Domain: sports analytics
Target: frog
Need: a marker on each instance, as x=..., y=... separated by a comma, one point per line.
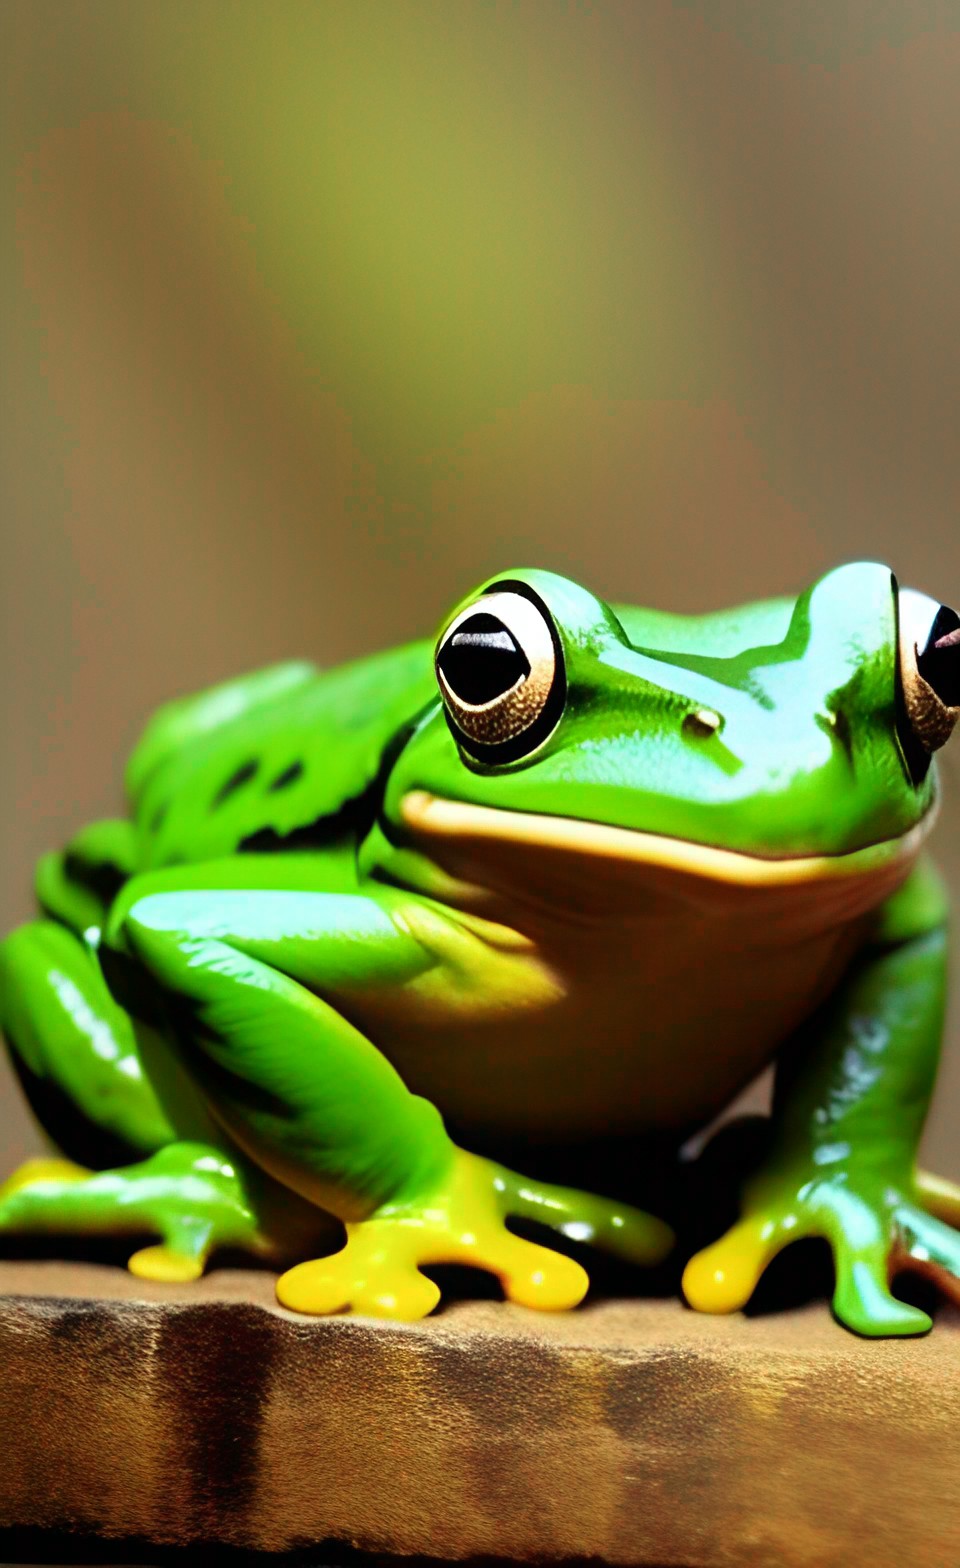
x=570, y=874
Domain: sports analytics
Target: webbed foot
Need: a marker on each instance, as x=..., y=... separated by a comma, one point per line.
x=463, y=1220
x=189, y=1195
x=875, y=1230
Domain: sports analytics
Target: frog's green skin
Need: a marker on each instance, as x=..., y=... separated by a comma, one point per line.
x=327, y=926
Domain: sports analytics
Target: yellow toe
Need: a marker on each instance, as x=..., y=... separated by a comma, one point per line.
x=548, y=1281
x=352, y=1281
x=405, y=1298
x=42, y=1169
x=723, y=1277
x=162, y=1263
x=317, y=1287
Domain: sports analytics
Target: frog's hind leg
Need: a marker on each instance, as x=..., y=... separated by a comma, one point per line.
x=75, y=1050
x=76, y=885
x=77, y=1055
x=300, y=1085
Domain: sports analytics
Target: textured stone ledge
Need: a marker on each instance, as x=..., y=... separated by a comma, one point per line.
x=631, y=1432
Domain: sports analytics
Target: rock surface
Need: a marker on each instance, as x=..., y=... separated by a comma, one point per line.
x=631, y=1432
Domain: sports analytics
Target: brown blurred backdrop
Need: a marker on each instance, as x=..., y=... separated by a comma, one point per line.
x=323, y=311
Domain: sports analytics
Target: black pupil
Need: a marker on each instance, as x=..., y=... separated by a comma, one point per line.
x=482, y=660
x=939, y=663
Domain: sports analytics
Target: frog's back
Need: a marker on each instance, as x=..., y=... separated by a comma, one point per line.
x=286, y=757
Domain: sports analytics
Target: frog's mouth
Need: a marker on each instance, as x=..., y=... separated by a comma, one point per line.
x=482, y=843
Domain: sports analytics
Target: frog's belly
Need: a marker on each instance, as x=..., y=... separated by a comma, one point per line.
x=623, y=1029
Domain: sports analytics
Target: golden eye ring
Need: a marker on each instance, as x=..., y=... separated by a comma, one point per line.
x=499, y=666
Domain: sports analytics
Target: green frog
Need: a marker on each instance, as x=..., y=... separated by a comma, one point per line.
x=573, y=872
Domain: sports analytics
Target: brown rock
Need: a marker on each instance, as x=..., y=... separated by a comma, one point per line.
x=631, y=1432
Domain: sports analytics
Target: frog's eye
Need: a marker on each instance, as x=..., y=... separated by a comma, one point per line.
x=500, y=671
x=929, y=677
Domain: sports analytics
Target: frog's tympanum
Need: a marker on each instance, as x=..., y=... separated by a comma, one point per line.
x=575, y=873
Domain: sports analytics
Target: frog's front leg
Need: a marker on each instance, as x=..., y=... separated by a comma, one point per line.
x=243, y=976
x=851, y=1098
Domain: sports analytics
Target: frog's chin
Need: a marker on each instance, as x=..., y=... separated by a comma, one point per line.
x=493, y=847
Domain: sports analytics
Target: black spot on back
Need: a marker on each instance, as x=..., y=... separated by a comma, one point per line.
x=236, y=781
x=355, y=816
x=325, y=830
x=287, y=777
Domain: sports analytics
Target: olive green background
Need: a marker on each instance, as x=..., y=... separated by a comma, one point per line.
x=321, y=312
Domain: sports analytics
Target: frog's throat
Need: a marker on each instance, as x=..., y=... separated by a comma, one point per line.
x=456, y=820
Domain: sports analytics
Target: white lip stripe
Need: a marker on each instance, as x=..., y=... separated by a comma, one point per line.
x=452, y=819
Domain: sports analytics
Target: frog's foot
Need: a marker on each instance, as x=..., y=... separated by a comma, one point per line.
x=189, y=1195
x=875, y=1230
x=463, y=1220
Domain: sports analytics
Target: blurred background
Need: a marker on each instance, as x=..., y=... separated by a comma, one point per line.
x=318, y=313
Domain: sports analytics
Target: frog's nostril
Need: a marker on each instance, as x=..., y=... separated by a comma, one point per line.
x=702, y=722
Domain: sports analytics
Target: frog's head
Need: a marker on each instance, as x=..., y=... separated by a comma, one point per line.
x=784, y=732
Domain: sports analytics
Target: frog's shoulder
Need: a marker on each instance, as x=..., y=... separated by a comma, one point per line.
x=720, y=634
x=271, y=759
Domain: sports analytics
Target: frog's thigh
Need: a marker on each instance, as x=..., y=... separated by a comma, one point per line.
x=74, y=1048
x=76, y=885
x=295, y=1083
